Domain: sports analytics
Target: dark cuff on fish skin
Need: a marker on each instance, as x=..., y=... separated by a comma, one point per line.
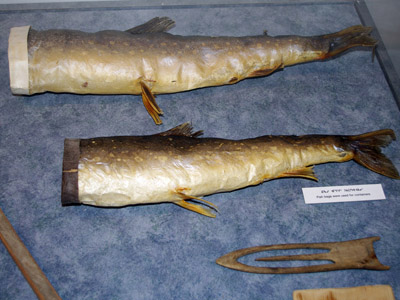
x=69, y=188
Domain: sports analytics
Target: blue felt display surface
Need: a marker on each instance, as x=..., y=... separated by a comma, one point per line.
x=164, y=251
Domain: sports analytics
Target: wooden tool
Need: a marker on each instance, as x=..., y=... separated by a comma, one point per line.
x=354, y=254
x=25, y=262
x=375, y=292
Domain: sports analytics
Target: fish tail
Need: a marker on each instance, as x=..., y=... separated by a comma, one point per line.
x=350, y=37
x=367, y=151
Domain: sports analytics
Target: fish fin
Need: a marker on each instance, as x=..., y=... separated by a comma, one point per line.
x=157, y=24
x=185, y=196
x=353, y=36
x=367, y=152
x=265, y=72
x=184, y=129
x=149, y=101
x=194, y=207
x=306, y=172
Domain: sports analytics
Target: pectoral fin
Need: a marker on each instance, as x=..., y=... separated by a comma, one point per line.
x=149, y=101
x=195, y=207
x=306, y=172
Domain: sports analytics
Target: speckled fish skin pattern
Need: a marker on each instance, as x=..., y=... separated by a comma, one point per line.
x=116, y=62
x=164, y=251
x=118, y=171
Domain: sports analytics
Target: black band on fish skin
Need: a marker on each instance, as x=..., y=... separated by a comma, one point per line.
x=70, y=189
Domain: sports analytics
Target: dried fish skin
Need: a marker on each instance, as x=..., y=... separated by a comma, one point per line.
x=177, y=165
x=147, y=60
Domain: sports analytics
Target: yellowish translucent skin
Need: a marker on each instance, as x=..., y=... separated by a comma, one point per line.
x=115, y=62
x=132, y=170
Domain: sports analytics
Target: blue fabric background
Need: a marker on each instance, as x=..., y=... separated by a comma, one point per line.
x=163, y=251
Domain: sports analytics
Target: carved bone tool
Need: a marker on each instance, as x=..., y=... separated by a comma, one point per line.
x=354, y=254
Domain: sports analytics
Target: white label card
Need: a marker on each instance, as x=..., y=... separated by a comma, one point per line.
x=344, y=193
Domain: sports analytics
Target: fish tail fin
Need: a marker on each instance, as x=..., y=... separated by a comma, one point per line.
x=350, y=37
x=367, y=151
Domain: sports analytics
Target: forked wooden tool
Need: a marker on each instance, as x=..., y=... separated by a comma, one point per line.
x=354, y=254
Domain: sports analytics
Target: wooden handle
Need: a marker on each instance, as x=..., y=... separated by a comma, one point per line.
x=25, y=262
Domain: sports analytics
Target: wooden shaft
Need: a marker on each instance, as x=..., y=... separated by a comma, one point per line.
x=25, y=262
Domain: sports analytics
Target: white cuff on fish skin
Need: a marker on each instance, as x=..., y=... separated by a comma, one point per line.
x=18, y=60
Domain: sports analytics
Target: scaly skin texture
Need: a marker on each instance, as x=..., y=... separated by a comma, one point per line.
x=130, y=170
x=115, y=62
x=146, y=60
x=176, y=165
